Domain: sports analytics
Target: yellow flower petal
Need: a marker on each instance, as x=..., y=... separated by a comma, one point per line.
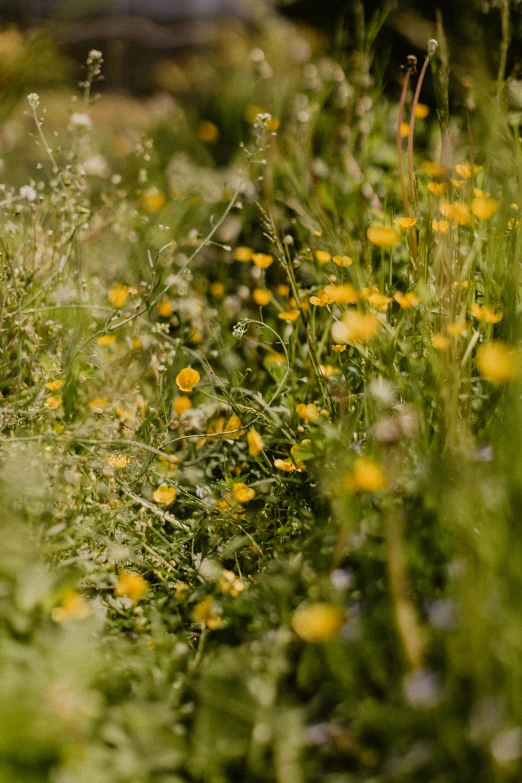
x=497, y=362
x=187, y=379
x=164, y=495
x=318, y=622
x=383, y=237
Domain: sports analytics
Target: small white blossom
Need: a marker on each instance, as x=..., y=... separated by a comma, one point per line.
x=33, y=100
x=28, y=192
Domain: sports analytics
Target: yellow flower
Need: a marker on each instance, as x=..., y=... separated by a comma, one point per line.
x=230, y=584
x=273, y=125
x=283, y=290
x=356, y=327
x=153, y=200
x=242, y=493
x=54, y=385
x=52, y=402
x=407, y=301
x=165, y=308
x=440, y=226
x=72, y=607
x=338, y=348
x=207, y=612
x=255, y=443
x=234, y=427
x=484, y=208
x=342, y=294
x=486, y=314
x=181, y=405
x=322, y=256
x=164, y=495
x=440, y=342
x=458, y=183
x=170, y=463
x=261, y=296
x=327, y=371
x=321, y=299
x=379, y=301
x=106, y=339
x=457, y=212
x=467, y=171
x=383, y=237
x=132, y=585
x=405, y=222
x=497, y=362
x=405, y=129
x=187, y=379
x=421, y=111
x=456, y=329
x=118, y=294
x=287, y=466
x=307, y=412
x=181, y=591
x=435, y=170
x=437, y=188
x=243, y=254
x=289, y=315
x=318, y=622
x=367, y=476
x=262, y=260
x=217, y=290
x=342, y=260
x=118, y=460
x=208, y=132
x=99, y=403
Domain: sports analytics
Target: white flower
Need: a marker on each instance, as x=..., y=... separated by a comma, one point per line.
x=79, y=120
x=28, y=192
x=33, y=100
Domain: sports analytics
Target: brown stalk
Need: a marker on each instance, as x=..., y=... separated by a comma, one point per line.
x=411, y=67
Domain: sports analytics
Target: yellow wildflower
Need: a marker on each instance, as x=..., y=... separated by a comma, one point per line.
x=289, y=315
x=458, y=183
x=467, y=171
x=342, y=260
x=367, y=476
x=234, y=428
x=405, y=130
x=421, y=111
x=105, y=339
x=261, y=296
x=132, y=585
x=379, y=301
x=486, y=314
x=165, y=308
x=323, y=256
x=53, y=402
x=440, y=226
x=283, y=289
x=327, y=371
x=287, y=466
x=437, y=188
x=243, y=254
x=230, y=584
x=456, y=329
x=255, y=443
x=54, y=385
x=435, y=170
x=321, y=299
x=405, y=222
x=118, y=294
x=383, y=237
x=307, y=412
x=356, y=327
x=407, y=301
x=457, y=212
x=73, y=606
x=99, y=403
x=153, y=200
x=440, y=342
x=318, y=622
x=181, y=405
x=342, y=294
x=484, y=208
x=187, y=379
x=118, y=460
x=338, y=348
x=207, y=612
x=164, y=495
x=262, y=260
x=208, y=132
x=497, y=362
x=242, y=493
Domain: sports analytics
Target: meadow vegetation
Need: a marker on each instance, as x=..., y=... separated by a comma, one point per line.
x=260, y=415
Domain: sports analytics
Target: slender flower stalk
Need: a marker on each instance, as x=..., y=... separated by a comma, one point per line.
x=411, y=67
x=432, y=45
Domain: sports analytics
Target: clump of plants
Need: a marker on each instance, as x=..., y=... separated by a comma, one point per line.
x=259, y=453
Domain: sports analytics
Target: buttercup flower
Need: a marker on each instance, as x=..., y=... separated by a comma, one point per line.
x=307, y=412
x=255, y=443
x=405, y=222
x=132, y=585
x=318, y=622
x=187, y=379
x=262, y=260
x=164, y=495
x=356, y=327
x=497, y=362
x=383, y=237
x=242, y=493
x=118, y=295
x=367, y=476
x=322, y=256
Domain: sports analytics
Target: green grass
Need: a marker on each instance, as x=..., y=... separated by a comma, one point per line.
x=297, y=563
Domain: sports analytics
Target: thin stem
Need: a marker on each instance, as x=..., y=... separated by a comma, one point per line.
x=400, y=120
x=504, y=45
